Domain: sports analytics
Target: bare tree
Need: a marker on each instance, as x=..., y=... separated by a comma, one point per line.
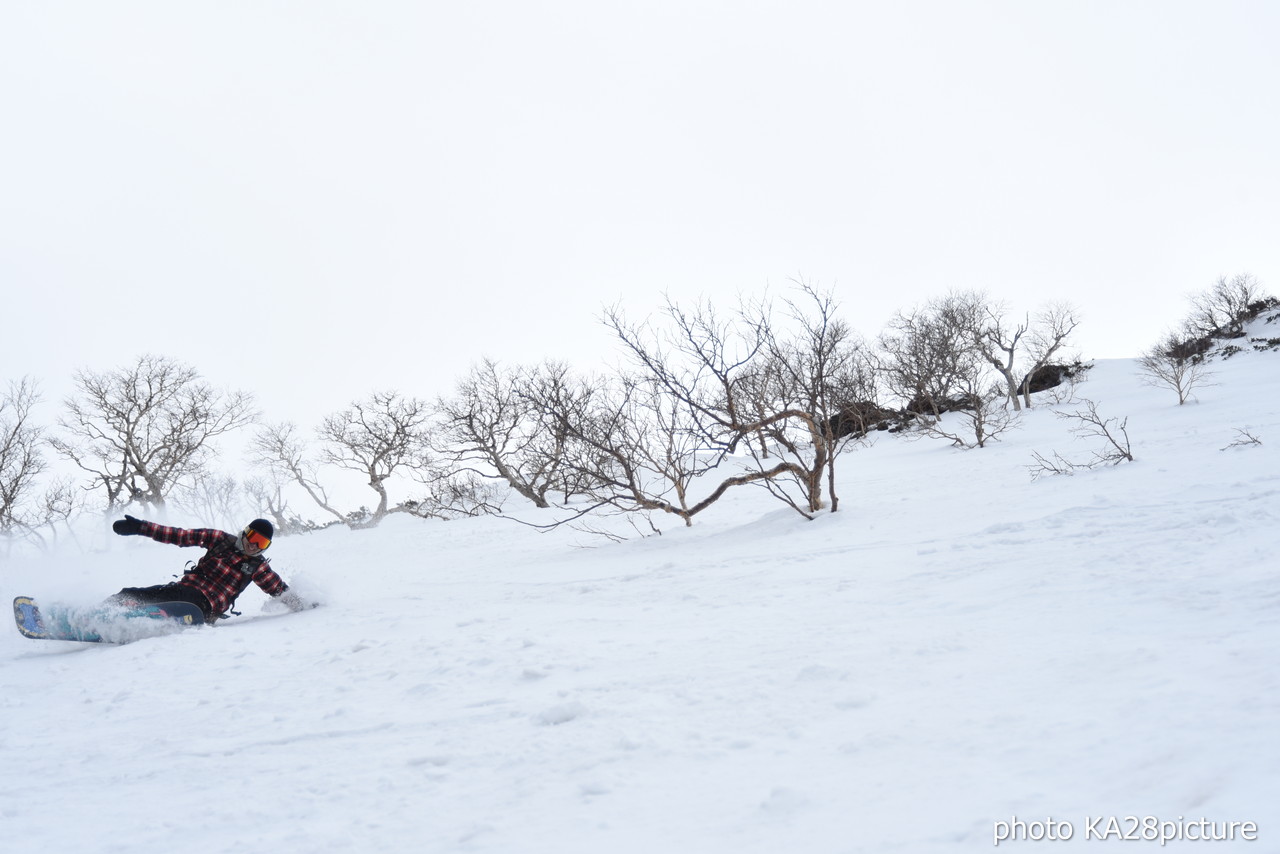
x=997, y=340
x=1169, y=364
x=266, y=491
x=381, y=437
x=636, y=448
x=1222, y=309
x=816, y=370
x=723, y=374
x=21, y=462
x=934, y=359
x=574, y=394
x=284, y=455
x=58, y=504
x=928, y=355
x=378, y=437
x=1049, y=335
x=1089, y=423
x=1016, y=350
x=491, y=429
x=986, y=415
x=215, y=498
x=141, y=431
x=605, y=431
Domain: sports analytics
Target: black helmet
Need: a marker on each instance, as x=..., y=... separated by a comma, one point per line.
x=263, y=527
x=257, y=533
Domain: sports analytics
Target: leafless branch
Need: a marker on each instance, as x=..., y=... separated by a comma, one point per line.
x=1243, y=439
x=1089, y=424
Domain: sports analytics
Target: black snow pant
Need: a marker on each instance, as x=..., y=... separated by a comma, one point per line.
x=175, y=592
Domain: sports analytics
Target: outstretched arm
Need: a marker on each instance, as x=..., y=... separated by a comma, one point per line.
x=129, y=526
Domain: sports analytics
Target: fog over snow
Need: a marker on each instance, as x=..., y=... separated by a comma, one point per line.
x=960, y=645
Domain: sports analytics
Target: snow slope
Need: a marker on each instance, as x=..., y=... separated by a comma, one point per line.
x=958, y=646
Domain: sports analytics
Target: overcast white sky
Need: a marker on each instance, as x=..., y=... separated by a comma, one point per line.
x=313, y=200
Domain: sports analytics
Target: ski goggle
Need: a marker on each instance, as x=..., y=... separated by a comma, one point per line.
x=254, y=538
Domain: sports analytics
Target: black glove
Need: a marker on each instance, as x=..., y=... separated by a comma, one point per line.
x=127, y=527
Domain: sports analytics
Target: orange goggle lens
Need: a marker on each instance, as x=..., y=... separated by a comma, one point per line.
x=253, y=538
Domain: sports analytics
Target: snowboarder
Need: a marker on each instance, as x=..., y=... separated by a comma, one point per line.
x=230, y=562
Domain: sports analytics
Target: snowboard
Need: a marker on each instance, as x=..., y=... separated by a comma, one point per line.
x=104, y=624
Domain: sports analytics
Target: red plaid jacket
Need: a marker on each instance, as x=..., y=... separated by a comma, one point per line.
x=224, y=571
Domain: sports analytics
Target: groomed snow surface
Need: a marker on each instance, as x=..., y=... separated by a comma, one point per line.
x=958, y=646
